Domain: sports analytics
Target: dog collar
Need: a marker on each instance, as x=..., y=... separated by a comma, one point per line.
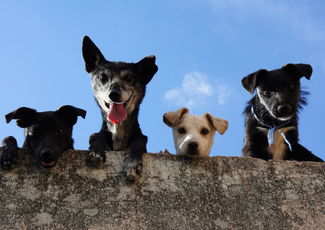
x=272, y=129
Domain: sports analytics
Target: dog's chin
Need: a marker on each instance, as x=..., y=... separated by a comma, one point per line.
x=191, y=154
x=48, y=164
x=282, y=118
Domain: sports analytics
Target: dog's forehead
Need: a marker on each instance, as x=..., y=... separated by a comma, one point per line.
x=196, y=120
x=118, y=66
x=48, y=119
x=278, y=78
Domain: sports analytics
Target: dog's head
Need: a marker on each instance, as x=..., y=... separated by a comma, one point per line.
x=47, y=133
x=193, y=134
x=118, y=87
x=278, y=90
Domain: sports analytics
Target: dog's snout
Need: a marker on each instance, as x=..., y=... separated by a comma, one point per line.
x=47, y=153
x=114, y=95
x=193, y=145
x=284, y=109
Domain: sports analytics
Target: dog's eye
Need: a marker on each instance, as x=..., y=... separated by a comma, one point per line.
x=267, y=93
x=33, y=132
x=181, y=131
x=59, y=131
x=291, y=87
x=128, y=78
x=103, y=78
x=204, y=131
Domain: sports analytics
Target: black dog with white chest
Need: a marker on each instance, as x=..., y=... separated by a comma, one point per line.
x=48, y=134
x=271, y=129
x=119, y=88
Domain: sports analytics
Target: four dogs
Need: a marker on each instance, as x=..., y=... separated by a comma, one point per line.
x=271, y=127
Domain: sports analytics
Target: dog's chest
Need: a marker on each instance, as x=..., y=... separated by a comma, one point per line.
x=278, y=148
x=119, y=139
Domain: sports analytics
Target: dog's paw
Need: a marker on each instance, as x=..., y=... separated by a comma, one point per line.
x=97, y=152
x=9, y=157
x=133, y=169
x=96, y=158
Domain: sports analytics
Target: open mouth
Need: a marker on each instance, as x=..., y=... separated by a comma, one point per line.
x=116, y=111
x=48, y=163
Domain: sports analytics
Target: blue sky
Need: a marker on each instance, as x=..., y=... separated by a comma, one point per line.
x=203, y=49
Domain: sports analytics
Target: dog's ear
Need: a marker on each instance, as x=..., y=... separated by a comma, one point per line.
x=91, y=54
x=221, y=125
x=253, y=80
x=300, y=70
x=71, y=113
x=147, y=68
x=173, y=117
x=23, y=115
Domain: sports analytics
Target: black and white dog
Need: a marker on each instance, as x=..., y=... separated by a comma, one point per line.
x=119, y=88
x=271, y=129
x=48, y=134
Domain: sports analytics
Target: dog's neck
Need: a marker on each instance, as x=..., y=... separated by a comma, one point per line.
x=272, y=128
x=122, y=131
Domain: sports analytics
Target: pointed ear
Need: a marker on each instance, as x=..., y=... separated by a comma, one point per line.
x=173, y=117
x=147, y=68
x=221, y=125
x=91, y=54
x=299, y=70
x=71, y=113
x=23, y=115
x=251, y=81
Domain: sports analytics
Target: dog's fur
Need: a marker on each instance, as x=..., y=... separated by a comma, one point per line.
x=193, y=135
x=48, y=134
x=277, y=101
x=118, y=82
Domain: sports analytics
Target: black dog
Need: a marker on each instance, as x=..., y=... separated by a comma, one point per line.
x=119, y=88
x=48, y=134
x=272, y=114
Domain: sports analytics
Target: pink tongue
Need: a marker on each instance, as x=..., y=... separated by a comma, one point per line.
x=116, y=113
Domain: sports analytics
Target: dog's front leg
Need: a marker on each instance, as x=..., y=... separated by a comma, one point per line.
x=9, y=152
x=133, y=161
x=300, y=153
x=98, y=144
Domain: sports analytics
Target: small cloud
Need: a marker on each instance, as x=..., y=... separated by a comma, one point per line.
x=224, y=91
x=196, y=89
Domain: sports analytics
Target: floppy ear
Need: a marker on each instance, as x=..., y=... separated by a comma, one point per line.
x=300, y=70
x=91, y=54
x=173, y=117
x=147, y=68
x=23, y=115
x=251, y=81
x=221, y=125
x=71, y=113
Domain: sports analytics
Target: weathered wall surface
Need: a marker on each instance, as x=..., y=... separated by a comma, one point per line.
x=173, y=192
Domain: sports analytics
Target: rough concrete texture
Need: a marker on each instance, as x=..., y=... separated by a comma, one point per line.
x=173, y=192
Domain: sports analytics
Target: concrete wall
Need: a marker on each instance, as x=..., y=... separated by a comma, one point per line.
x=173, y=192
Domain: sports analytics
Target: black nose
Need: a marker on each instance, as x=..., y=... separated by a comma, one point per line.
x=47, y=154
x=193, y=145
x=114, y=95
x=284, y=109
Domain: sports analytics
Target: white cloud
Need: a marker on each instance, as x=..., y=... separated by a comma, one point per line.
x=196, y=90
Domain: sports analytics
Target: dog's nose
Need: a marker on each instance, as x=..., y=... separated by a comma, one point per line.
x=193, y=145
x=284, y=109
x=47, y=153
x=114, y=95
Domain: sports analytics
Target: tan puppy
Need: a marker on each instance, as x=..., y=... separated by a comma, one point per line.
x=193, y=134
